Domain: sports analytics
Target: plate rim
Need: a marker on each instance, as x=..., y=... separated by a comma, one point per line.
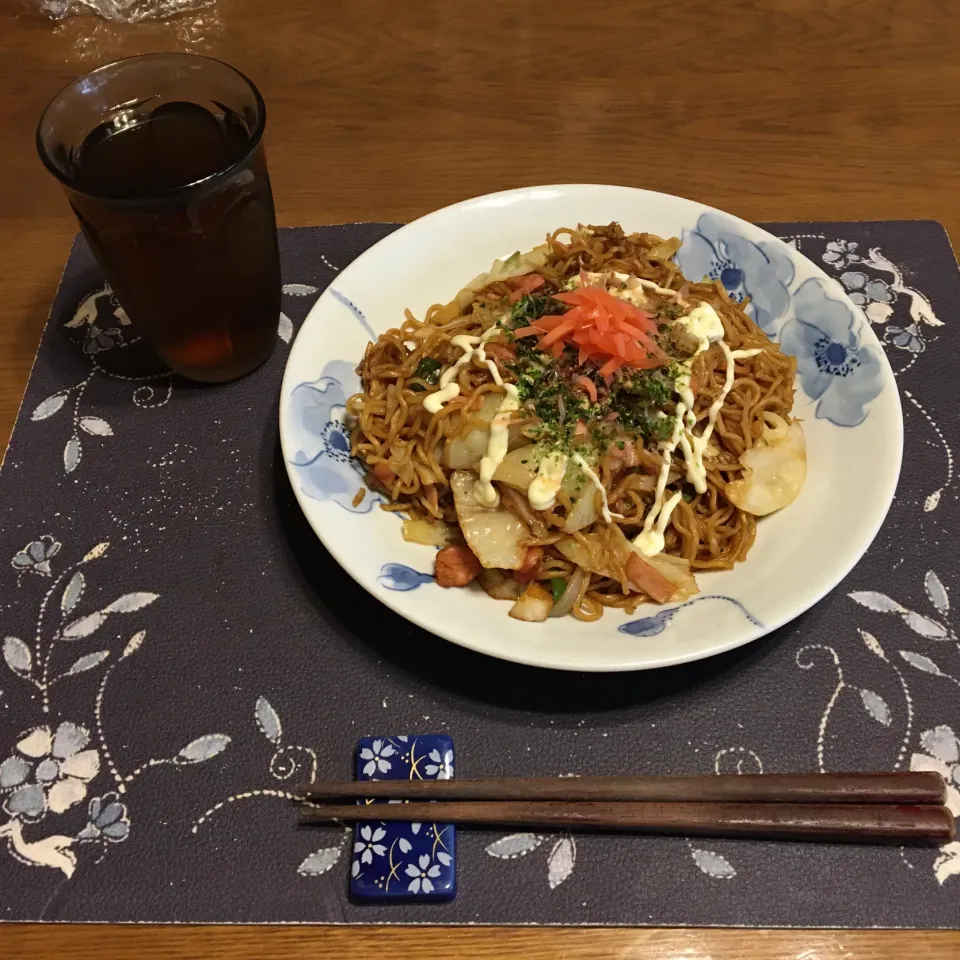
x=751, y=632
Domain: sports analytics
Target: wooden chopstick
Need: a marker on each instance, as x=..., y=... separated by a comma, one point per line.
x=925, y=825
x=920, y=787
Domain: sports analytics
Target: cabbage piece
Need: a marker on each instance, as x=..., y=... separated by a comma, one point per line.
x=516, y=265
x=577, y=486
x=775, y=473
x=462, y=453
x=430, y=533
x=534, y=604
x=665, y=249
x=499, y=586
x=518, y=468
x=598, y=563
x=494, y=535
x=584, y=512
x=677, y=571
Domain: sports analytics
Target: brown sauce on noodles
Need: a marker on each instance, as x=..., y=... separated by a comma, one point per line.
x=401, y=442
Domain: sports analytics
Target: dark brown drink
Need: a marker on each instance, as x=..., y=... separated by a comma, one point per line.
x=172, y=193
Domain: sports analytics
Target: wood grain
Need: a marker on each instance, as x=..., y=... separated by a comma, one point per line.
x=26, y=942
x=904, y=787
x=781, y=110
x=874, y=823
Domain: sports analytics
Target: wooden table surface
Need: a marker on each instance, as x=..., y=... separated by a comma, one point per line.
x=378, y=110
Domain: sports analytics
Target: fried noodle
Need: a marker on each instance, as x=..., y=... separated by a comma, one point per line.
x=401, y=443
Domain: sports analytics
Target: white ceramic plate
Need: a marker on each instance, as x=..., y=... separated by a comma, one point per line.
x=846, y=397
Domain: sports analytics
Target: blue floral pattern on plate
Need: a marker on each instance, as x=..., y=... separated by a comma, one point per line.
x=820, y=330
x=760, y=271
x=832, y=365
x=651, y=626
x=322, y=440
x=823, y=332
x=404, y=861
x=398, y=576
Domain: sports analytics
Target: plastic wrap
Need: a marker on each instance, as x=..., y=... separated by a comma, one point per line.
x=123, y=11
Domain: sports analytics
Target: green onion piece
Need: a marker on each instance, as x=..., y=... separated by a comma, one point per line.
x=428, y=369
x=557, y=586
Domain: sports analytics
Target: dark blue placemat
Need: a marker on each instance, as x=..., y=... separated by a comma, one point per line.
x=180, y=652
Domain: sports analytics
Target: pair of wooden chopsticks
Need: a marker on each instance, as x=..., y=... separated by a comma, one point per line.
x=896, y=808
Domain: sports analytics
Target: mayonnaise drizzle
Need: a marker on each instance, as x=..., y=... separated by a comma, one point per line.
x=595, y=480
x=484, y=491
x=703, y=323
x=542, y=492
x=449, y=388
x=434, y=403
x=633, y=284
x=650, y=540
x=693, y=446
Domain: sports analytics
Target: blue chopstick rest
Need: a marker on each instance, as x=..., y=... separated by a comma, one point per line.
x=404, y=862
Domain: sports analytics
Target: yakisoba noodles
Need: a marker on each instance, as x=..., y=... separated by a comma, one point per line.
x=581, y=427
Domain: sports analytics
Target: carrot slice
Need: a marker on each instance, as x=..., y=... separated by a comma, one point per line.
x=527, y=332
x=634, y=331
x=561, y=330
x=524, y=285
x=548, y=323
x=603, y=328
x=589, y=386
x=649, y=363
x=384, y=473
x=532, y=282
x=610, y=367
x=648, y=580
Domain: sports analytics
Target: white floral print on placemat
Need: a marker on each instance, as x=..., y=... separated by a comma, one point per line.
x=369, y=850
x=938, y=748
x=287, y=760
x=51, y=768
x=876, y=285
x=905, y=314
x=932, y=500
x=843, y=254
x=561, y=859
x=562, y=855
x=103, y=328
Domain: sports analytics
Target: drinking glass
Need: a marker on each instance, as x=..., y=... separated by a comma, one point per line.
x=162, y=160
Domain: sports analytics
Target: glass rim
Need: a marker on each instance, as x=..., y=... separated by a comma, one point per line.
x=256, y=135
